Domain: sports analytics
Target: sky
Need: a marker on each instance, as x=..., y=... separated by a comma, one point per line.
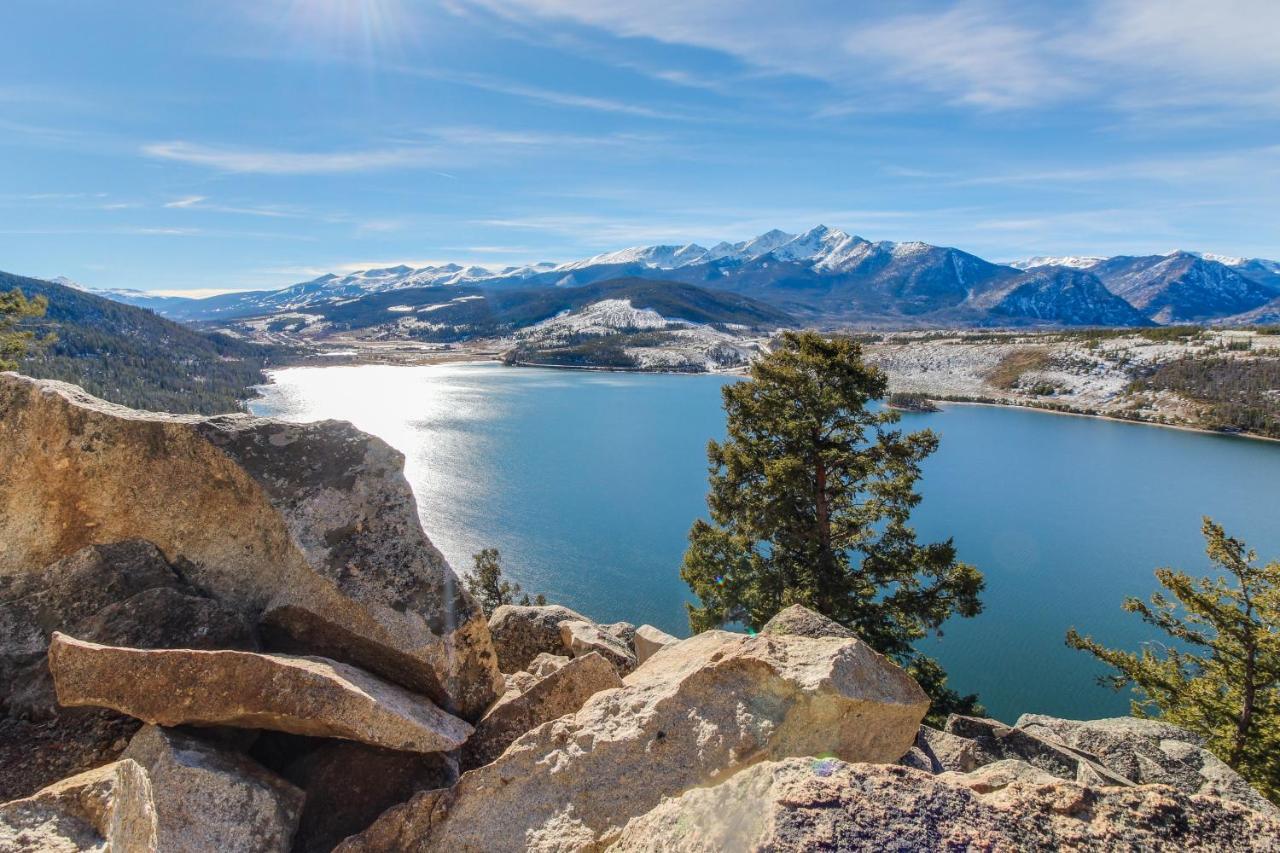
x=200, y=147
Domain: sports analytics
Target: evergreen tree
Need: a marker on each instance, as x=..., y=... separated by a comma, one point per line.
x=1221, y=678
x=487, y=586
x=14, y=343
x=810, y=499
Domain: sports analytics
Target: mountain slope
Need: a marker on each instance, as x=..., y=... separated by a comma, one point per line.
x=1180, y=287
x=130, y=356
x=458, y=312
x=1060, y=296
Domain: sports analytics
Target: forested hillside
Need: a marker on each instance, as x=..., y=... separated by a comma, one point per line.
x=131, y=356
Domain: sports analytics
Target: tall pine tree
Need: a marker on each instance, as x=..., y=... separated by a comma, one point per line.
x=1221, y=677
x=810, y=502
x=14, y=343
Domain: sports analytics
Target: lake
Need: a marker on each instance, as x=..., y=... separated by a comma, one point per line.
x=587, y=482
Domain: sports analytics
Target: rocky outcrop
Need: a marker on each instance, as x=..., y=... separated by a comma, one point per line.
x=1150, y=751
x=311, y=527
x=994, y=741
x=691, y=716
x=303, y=695
x=208, y=798
x=649, y=641
x=561, y=691
x=108, y=808
x=521, y=633
x=800, y=621
x=804, y=804
x=584, y=638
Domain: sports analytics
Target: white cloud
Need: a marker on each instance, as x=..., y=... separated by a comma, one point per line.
x=1129, y=55
x=276, y=162
x=188, y=201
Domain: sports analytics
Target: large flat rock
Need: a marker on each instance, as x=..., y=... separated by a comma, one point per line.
x=692, y=715
x=106, y=809
x=302, y=695
x=310, y=526
x=803, y=804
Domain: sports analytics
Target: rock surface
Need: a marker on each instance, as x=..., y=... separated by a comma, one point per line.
x=1151, y=751
x=210, y=799
x=312, y=524
x=562, y=691
x=349, y=785
x=545, y=664
x=303, y=695
x=522, y=632
x=995, y=741
x=584, y=638
x=693, y=715
x=803, y=622
x=805, y=804
x=649, y=641
x=121, y=594
x=106, y=809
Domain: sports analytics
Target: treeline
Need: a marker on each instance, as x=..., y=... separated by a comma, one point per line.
x=131, y=356
x=1239, y=394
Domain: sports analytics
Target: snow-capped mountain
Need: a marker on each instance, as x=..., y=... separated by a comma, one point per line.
x=1078, y=262
x=827, y=275
x=1181, y=287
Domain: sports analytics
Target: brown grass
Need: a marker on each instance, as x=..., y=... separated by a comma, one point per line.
x=1006, y=374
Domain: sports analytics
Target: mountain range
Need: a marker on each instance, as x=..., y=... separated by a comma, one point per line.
x=826, y=276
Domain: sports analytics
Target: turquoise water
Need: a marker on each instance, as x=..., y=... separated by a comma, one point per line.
x=588, y=482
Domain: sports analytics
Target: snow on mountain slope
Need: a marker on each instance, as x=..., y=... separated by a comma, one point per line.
x=603, y=317
x=1078, y=262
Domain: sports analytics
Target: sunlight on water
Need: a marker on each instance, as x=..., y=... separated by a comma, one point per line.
x=588, y=482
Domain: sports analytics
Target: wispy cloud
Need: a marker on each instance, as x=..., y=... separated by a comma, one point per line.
x=188, y=201
x=981, y=54
x=540, y=94
x=277, y=162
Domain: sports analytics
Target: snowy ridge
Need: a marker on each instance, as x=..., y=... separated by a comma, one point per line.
x=1076, y=262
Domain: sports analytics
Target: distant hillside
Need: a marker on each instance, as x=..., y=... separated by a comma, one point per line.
x=130, y=356
x=459, y=312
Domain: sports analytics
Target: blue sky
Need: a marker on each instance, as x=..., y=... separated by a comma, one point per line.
x=254, y=143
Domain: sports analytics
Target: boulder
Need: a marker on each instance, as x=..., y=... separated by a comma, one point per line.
x=995, y=741
x=583, y=638
x=803, y=622
x=207, y=798
x=1151, y=751
x=623, y=632
x=313, y=526
x=303, y=695
x=562, y=691
x=804, y=804
x=522, y=632
x=949, y=752
x=690, y=717
x=349, y=784
x=37, y=753
x=106, y=809
x=649, y=641
x=545, y=664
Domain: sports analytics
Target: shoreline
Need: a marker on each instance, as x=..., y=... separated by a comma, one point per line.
x=485, y=356
x=1130, y=421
